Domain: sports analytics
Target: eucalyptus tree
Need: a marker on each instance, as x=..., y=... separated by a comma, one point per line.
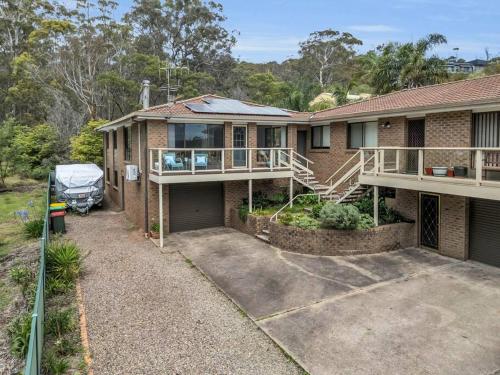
x=184, y=32
x=329, y=52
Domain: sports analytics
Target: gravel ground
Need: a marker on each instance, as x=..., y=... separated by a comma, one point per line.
x=150, y=312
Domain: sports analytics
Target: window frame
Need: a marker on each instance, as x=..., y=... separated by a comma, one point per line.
x=115, y=139
x=322, y=147
x=127, y=142
x=172, y=131
x=363, y=134
x=115, y=178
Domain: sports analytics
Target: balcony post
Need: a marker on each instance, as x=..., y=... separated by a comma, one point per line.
x=222, y=166
x=362, y=161
x=160, y=163
x=250, y=196
x=160, y=210
x=272, y=158
x=479, y=167
x=397, y=161
x=193, y=168
x=382, y=161
x=376, y=166
x=420, y=165
x=375, y=205
x=151, y=164
x=249, y=159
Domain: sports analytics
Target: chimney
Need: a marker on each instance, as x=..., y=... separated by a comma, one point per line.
x=145, y=94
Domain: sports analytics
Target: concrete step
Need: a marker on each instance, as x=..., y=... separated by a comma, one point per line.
x=263, y=237
x=265, y=231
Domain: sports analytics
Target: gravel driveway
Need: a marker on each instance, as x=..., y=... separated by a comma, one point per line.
x=151, y=312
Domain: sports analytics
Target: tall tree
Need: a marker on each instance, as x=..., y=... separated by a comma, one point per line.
x=329, y=50
x=185, y=32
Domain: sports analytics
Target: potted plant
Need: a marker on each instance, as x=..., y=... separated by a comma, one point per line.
x=155, y=231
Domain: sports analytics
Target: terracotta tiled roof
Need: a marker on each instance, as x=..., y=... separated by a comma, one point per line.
x=452, y=94
x=179, y=108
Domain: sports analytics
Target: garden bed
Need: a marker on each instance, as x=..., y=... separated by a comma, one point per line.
x=342, y=242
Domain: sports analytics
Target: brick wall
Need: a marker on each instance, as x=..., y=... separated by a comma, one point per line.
x=342, y=242
x=157, y=138
x=450, y=129
x=135, y=190
x=327, y=161
x=454, y=228
x=252, y=226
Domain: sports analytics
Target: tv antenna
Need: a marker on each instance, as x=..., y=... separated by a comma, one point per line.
x=173, y=74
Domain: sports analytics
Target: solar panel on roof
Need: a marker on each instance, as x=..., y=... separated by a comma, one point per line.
x=235, y=107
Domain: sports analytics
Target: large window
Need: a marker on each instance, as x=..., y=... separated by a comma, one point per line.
x=320, y=136
x=362, y=134
x=127, y=141
x=271, y=136
x=195, y=136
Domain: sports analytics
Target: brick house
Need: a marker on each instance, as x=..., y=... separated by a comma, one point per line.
x=202, y=156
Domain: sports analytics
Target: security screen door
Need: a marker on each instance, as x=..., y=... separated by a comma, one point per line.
x=429, y=220
x=240, y=141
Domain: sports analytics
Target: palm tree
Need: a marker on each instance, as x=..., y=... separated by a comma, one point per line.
x=401, y=66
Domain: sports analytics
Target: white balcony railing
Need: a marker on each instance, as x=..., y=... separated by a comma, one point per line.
x=175, y=161
x=466, y=166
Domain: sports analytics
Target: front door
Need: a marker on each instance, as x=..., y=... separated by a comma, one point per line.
x=416, y=138
x=240, y=141
x=302, y=142
x=429, y=220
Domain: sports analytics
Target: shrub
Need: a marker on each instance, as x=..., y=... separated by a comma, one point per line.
x=155, y=227
x=23, y=277
x=339, y=216
x=60, y=322
x=366, y=222
x=19, y=334
x=65, y=346
x=33, y=228
x=307, y=200
x=305, y=222
x=63, y=261
x=286, y=218
x=53, y=364
x=279, y=198
x=56, y=286
x=316, y=209
x=243, y=213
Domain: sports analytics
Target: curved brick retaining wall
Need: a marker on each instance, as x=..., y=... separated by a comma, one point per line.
x=343, y=242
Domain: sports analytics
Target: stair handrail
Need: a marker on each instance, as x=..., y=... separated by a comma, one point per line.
x=357, y=154
x=349, y=174
x=290, y=203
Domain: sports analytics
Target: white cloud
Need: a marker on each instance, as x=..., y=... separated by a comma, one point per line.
x=373, y=28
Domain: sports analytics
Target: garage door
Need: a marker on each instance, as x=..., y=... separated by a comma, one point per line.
x=484, y=244
x=196, y=206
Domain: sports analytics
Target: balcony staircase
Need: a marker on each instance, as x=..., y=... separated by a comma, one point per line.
x=345, y=189
x=340, y=188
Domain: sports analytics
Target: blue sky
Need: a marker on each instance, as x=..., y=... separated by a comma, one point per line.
x=271, y=29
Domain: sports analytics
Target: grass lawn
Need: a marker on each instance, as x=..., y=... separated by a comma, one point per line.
x=11, y=234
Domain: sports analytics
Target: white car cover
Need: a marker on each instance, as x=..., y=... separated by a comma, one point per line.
x=79, y=185
x=78, y=175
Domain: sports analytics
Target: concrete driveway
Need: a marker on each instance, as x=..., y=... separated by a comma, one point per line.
x=403, y=312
